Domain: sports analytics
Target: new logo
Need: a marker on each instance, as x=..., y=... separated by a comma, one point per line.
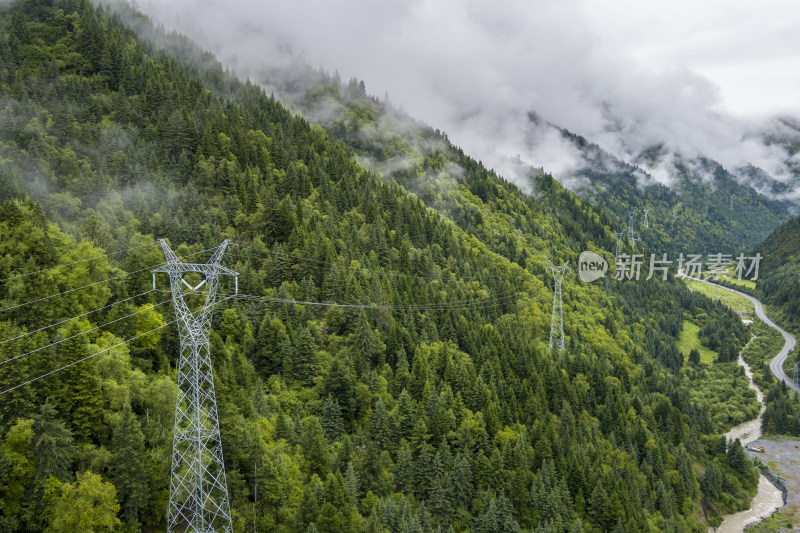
x=591, y=266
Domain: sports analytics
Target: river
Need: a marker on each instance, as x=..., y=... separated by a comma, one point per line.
x=769, y=498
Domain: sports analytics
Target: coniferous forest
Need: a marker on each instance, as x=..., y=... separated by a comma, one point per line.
x=422, y=396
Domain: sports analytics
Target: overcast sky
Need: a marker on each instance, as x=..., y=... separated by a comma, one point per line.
x=695, y=76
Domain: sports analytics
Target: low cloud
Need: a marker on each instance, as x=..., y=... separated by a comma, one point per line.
x=478, y=70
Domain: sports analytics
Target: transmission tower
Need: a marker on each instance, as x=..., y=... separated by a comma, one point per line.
x=557, y=322
x=198, y=489
x=796, y=371
x=674, y=214
x=731, y=202
x=706, y=208
x=631, y=236
x=619, y=235
x=646, y=220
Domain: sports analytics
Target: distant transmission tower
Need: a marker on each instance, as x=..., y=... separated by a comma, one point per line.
x=674, y=214
x=646, y=220
x=557, y=322
x=631, y=237
x=198, y=489
x=619, y=235
x=796, y=371
x=706, y=208
x=731, y=202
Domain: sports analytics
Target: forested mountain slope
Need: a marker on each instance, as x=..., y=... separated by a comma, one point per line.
x=398, y=147
x=439, y=407
x=778, y=286
x=704, y=210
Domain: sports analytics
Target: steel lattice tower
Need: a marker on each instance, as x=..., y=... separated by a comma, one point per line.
x=646, y=222
x=619, y=235
x=796, y=372
x=198, y=489
x=631, y=236
x=557, y=322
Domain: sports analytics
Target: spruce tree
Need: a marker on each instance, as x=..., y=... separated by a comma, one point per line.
x=404, y=469
x=52, y=445
x=304, y=358
x=129, y=469
x=332, y=422
x=381, y=430
x=463, y=485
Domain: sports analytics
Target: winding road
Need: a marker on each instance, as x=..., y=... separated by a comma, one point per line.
x=776, y=365
x=768, y=498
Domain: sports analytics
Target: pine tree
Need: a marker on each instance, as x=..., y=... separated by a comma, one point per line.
x=404, y=469
x=423, y=472
x=19, y=401
x=351, y=484
x=713, y=480
x=381, y=430
x=440, y=500
x=314, y=447
x=304, y=358
x=270, y=340
x=506, y=521
x=332, y=422
x=736, y=457
x=52, y=445
x=363, y=340
x=405, y=415
x=489, y=520
x=81, y=399
x=463, y=486
x=340, y=383
x=128, y=469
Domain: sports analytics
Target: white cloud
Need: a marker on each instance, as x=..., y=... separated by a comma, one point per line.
x=618, y=72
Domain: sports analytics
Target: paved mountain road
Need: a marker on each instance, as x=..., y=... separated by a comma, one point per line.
x=776, y=365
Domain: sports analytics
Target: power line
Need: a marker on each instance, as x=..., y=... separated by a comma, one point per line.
x=76, y=262
x=346, y=266
x=94, y=354
x=90, y=284
x=74, y=317
x=81, y=333
x=489, y=301
x=330, y=267
x=83, y=359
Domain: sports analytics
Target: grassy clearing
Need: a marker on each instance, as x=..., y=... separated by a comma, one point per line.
x=688, y=340
x=740, y=305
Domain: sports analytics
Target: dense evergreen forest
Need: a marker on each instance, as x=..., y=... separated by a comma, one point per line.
x=706, y=209
x=437, y=406
x=779, y=287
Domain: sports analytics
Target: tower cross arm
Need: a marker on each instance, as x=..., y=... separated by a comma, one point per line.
x=202, y=268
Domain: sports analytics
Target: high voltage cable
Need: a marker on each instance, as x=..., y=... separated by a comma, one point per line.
x=92, y=284
x=81, y=333
x=74, y=317
x=98, y=353
x=330, y=267
x=76, y=262
x=489, y=301
x=85, y=358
